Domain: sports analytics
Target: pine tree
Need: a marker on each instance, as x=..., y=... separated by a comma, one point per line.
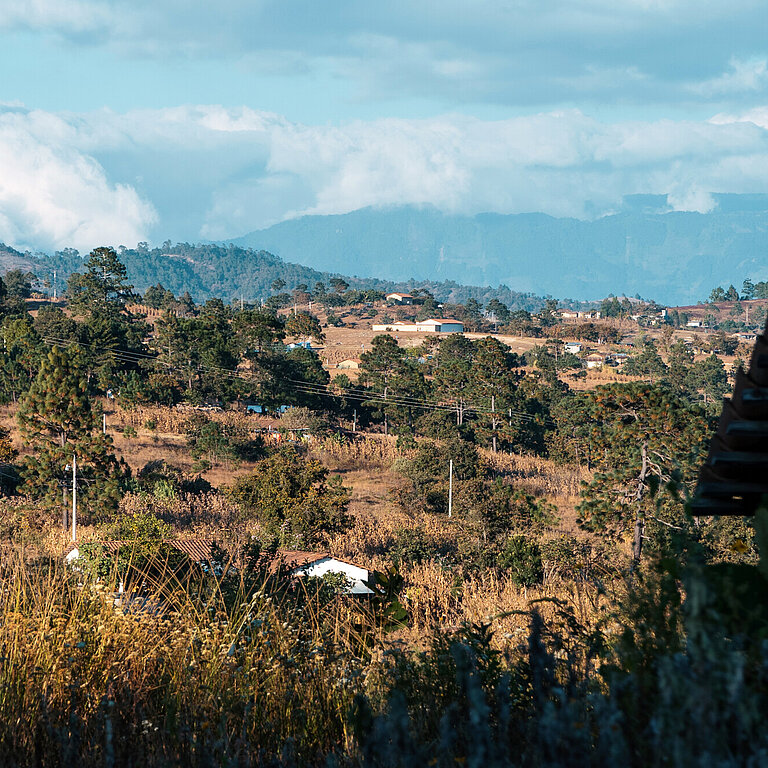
x=647, y=446
x=391, y=377
x=57, y=420
x=103, y=287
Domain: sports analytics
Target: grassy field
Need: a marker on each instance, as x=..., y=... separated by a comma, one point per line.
x=366, y=468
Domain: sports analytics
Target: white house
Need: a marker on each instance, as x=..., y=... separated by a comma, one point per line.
x=318, y=564
x=399, y=298
x=573, y=347
x=299, y=562
x=351, y=364
x=440, y=325
x=595, y=360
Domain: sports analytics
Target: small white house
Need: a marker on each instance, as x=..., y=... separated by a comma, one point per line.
x=573, y=347
x=595, y=360
x=351, y=364
x=399, y=298
x=442, y=325
x=318, y=564
x=299, y=562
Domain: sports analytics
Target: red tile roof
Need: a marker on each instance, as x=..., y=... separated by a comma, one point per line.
x=297, y=558
x=199, y=550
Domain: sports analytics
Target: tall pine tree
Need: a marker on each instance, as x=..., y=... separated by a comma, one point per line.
x=57, y=421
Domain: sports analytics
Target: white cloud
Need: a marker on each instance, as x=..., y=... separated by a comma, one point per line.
x=742, y=76
x=72, y=17
x=206, y=171
x=52, y=195
x=758, y=116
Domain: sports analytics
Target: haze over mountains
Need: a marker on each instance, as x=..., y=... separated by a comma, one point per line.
x=673, y=256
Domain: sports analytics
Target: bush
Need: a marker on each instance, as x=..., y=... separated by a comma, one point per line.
x=412, y=545
x=293, y=498
x=521, y=559
x=210, y=444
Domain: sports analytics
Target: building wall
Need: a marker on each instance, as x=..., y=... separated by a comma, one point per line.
x=354, y=573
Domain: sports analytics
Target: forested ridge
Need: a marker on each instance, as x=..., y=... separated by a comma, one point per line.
x=207, y=270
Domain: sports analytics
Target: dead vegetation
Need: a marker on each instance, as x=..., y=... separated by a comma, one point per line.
x=435, y=595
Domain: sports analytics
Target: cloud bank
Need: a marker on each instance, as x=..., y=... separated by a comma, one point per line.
x=511, y=52
x=83, y=180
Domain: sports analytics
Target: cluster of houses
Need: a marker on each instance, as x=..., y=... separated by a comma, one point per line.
x=572, y=314
x=595, y=359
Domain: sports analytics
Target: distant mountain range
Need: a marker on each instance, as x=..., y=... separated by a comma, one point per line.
x=645, y=249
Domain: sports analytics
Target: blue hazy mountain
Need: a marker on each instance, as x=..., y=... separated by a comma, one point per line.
x=645, y=248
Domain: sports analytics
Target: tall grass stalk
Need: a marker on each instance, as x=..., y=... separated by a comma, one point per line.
x=169, y=679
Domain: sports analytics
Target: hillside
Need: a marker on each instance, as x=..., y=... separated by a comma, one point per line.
x=674, y=257
x=207, y=270
x=13, y=259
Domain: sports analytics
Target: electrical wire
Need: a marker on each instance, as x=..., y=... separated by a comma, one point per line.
x=311, y=388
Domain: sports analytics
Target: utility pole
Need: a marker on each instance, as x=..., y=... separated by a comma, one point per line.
x=493, y=411
x=450, y=488
x=74, y=497
x=354, y=420
x=54, y=285
x=104, y=423
x=386, y=421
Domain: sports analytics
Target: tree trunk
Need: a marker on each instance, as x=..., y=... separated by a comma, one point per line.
x=493, y=410
x=637, y=543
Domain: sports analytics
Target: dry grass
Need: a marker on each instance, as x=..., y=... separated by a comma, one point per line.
x=538, y=475
x=89, y=680
x=359, y=451
x=434, y=597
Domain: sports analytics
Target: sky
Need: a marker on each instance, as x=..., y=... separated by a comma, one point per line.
x=144, y=120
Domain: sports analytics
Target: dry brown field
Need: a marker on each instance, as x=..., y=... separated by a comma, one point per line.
x=431, y=593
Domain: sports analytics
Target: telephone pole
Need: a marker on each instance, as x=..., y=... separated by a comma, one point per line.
x=74, y=497
x=493, y=411
x=450, y=488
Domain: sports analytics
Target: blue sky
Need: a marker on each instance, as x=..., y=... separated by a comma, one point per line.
x=127, y=120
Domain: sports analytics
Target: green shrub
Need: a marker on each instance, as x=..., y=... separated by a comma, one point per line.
x=520, y=558
x=412, y=545
x=293, y=498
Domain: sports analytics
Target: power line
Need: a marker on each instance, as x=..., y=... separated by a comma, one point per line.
x=305, y=387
